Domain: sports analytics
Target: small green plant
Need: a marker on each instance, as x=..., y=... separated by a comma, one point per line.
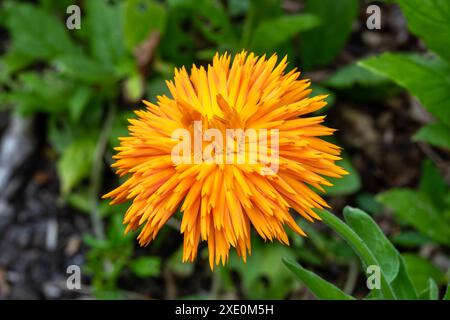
x=373, y=249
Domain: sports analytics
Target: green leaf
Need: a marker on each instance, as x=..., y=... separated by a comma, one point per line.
x=35, y=33
x=415, y=209
x=410, y=239
x=429, y=20
x=354, y=75
x=273, y=32
x=402, y=284
x=145, y=267
x=359, y=247
x=40, y=92
x=425, y=78
x=432, y=184
x=81, y=67
x=104, y=31
x=79, y=101
x=141, y=18
x=447, y=293
x=346, y=185
x=385, y=253
x=436, y=134
x=374, y=238
x=320, y=45
x=321, y=288
x=75, y=163
x=421, y=270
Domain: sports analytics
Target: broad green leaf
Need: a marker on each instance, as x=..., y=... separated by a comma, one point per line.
x=321, y=288
x=381, y=247
x=142, y=17
x=429, y=20
x=436, y=134
x=348, y=184
x=425, y=78
x=272, y=33
x=354, y=75
x=11, y=62
x=81, y=67
x=104, y=30
x=145, y=267
x=75, y=163
x=415, y=209
x=35, y=33
x=320, y=45
x=421, y=270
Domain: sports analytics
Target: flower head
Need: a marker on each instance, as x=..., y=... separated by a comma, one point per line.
x=280, y=156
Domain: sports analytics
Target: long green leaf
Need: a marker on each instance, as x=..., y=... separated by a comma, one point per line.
x=425, y=78
x=359, y=246
x=381, y=247
x=385, y=253
x=321, y=288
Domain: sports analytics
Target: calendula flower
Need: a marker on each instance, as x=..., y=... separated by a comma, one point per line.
x=172, y=161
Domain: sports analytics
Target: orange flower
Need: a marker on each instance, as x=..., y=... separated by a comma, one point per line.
x=219, y=200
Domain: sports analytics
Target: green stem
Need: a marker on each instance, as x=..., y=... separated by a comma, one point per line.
x=358, y=246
